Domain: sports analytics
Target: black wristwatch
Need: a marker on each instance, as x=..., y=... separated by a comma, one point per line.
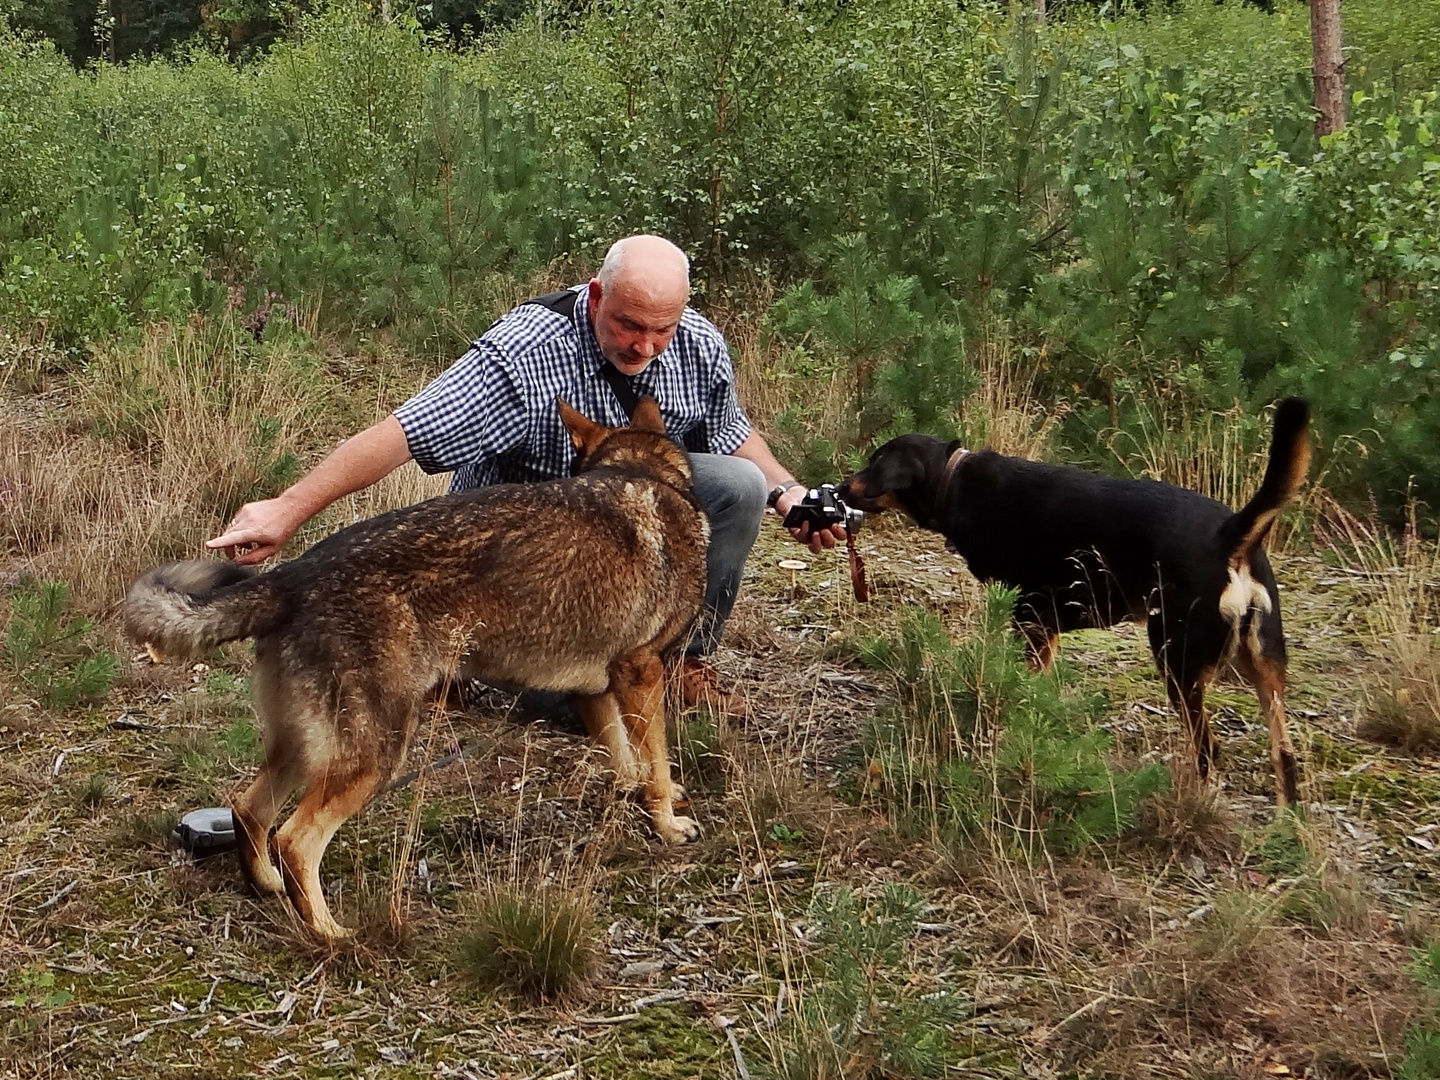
x=779, y=489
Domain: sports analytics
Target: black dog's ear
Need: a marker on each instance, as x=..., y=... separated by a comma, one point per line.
x=954, y=444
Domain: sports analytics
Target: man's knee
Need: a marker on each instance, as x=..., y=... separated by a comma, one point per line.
x=730, y=487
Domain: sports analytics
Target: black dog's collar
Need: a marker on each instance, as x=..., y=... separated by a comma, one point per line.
x=942, y=495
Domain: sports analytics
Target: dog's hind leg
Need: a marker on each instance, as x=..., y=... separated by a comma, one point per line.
x=1187, y=696
x=1186, y=670
x=638, y=682
x=1038, y=625
x=333, y=796
x=254, y=811
x=1267, y=675
x=1041, y=645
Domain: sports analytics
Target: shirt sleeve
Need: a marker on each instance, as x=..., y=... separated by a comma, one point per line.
x=474, y=411
x=726, y=424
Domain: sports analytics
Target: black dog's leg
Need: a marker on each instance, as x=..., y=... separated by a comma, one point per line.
x=1185, y=683
x=1039, y=627
x=1266, y=674
x=1188, y=698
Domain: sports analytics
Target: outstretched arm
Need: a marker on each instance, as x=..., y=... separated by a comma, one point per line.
x=260, y=529
x=756, y=449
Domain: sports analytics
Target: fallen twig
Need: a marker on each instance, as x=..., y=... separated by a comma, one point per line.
x=61, y=895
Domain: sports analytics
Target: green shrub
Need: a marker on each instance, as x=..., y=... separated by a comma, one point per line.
x=1422, y=1036
x=49, y=651
x=976, y=745
x=864, y=1016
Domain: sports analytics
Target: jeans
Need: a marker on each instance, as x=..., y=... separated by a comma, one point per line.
x=732, y=491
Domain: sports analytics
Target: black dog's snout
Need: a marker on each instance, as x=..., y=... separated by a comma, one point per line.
x=852, y=490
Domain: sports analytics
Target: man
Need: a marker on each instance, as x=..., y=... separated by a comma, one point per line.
x=492, y=418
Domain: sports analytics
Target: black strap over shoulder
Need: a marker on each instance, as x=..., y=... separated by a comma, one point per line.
x=562, y=302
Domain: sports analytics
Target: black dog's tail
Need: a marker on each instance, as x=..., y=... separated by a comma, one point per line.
x=181, y=609
x=1246, y=529
x=1289, y=464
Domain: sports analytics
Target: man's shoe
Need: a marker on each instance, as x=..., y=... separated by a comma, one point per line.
x=700, y=685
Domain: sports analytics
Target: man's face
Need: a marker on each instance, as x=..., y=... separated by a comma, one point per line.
x=634, y=324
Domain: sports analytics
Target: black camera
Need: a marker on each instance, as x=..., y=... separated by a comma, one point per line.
x=821, y=508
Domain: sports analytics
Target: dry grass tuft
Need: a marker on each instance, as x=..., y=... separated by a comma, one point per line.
x=539, y=940
x=1402, y=707
x=158, y=447
x=28, y=361
x=1184, y=821
x=1219, y=454
x=1406, y=717
x=1005, y=414
x=161, y=444
x=1237, y=991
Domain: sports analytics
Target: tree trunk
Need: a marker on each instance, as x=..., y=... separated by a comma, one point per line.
x=1329, y=66
x=1039, y=12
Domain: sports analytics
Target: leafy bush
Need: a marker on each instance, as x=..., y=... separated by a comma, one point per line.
x=977, y=746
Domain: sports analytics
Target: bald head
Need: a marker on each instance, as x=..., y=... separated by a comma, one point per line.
x=647, y=264
x=638, y=299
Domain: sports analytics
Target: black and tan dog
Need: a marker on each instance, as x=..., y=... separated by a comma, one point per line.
x=1089, y=551
x=579, y=585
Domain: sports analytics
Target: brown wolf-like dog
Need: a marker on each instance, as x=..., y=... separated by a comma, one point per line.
x=579, y=585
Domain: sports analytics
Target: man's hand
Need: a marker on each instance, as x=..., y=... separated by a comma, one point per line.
x=821, y=538
x=258, y=531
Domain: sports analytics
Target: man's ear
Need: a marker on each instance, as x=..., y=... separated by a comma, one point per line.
x=585, y=434
x=647, y=416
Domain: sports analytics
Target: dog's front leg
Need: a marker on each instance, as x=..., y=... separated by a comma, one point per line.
x=601, y=713
x=638, y=682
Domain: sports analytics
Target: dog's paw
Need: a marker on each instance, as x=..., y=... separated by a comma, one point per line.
x=258, y=867
x=327, y=929
x=674, y=829
x=265, y=879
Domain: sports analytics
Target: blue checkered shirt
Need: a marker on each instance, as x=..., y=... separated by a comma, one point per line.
x=491, y=417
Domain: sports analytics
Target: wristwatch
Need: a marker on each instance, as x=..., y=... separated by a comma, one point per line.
x=779, y=489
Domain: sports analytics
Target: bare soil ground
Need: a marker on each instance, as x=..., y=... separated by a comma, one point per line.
x=1187, y=949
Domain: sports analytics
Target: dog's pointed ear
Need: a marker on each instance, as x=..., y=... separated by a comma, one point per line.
x=584, y=433
x=951, y=447
x=647, y=416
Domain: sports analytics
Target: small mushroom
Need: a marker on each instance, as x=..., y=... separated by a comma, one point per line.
x=794, y=566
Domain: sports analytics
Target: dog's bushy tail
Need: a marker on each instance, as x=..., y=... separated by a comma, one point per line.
x=180, y=610
x=1289, y=463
